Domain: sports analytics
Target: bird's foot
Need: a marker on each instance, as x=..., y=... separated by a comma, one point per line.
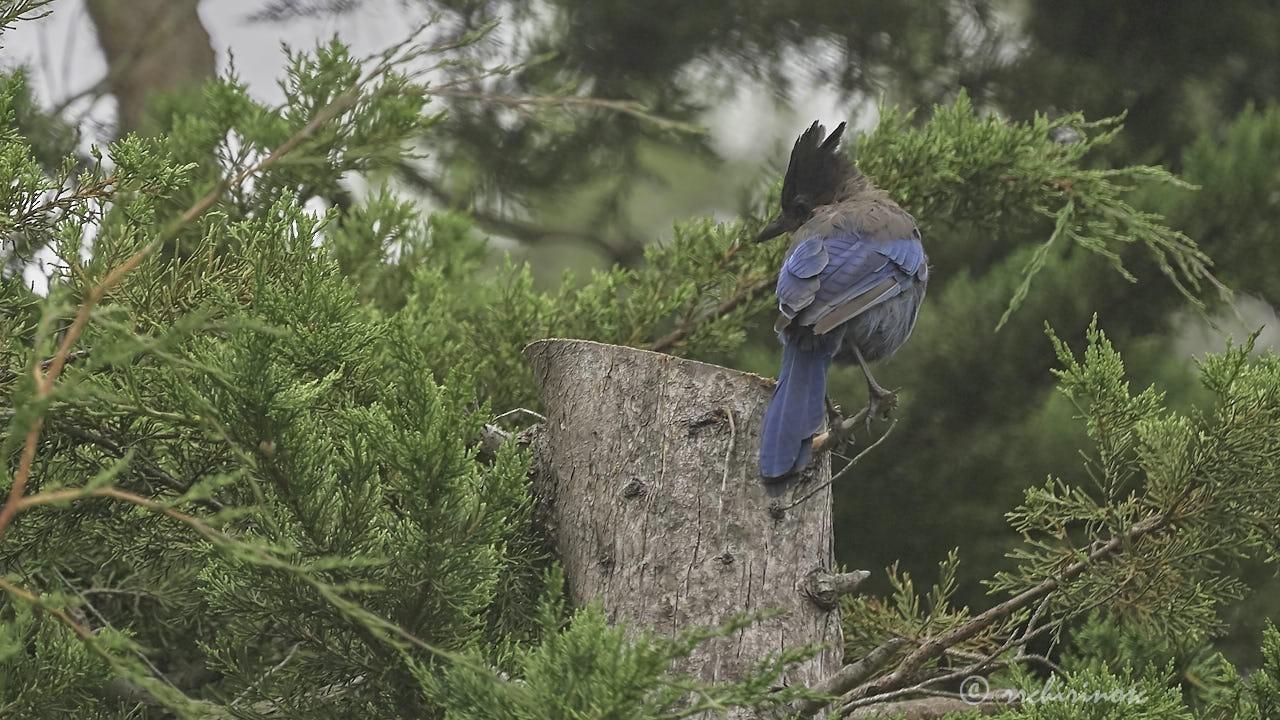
x=881, y=406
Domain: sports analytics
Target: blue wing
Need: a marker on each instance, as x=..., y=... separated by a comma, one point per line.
x=827, y=281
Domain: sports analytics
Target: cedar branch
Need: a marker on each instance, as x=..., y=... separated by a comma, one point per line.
x=935, y=647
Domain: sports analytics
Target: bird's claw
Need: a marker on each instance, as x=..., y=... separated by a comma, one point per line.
x=839, y=430
x=881, y=406
x=887, y=404
x=834, y=417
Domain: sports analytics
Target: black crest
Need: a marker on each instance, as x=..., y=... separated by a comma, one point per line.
x=816, y=170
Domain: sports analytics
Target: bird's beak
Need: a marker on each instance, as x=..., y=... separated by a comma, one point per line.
x=775, y=228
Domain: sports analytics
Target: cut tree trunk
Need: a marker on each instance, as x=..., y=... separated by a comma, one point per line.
x=648, y=473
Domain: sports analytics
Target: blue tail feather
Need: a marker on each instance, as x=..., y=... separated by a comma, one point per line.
x=796, y=411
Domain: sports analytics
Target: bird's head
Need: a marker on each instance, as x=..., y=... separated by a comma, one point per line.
x=815, y=174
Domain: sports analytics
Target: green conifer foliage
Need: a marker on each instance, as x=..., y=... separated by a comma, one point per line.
x=241, y=428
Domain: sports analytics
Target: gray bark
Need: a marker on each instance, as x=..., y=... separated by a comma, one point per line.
x=648, y=474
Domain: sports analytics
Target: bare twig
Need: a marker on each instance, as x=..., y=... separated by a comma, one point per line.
x=991, y=662
x=1035, y=618
x=846, y=468
x=6, y=375
x=145, y=466
x=521, y=411
x=211, y=533
x=35, y=599
x=926, y=684
x=983, y=662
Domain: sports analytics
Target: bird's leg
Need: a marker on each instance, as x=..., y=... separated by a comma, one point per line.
x=881, y=402
x=839, y=430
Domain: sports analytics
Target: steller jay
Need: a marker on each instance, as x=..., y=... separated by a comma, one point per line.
x=851, y=287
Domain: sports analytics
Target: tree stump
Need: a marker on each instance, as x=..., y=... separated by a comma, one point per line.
x=647, y=469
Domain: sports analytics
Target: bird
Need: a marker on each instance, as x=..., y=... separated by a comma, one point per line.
x=850, y=289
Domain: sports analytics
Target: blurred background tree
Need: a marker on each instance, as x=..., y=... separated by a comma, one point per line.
x=980, y=420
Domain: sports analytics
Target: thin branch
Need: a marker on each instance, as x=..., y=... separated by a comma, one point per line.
x=688, y=317
x=924, y=685
x=1035, y=618
x=217, y=536
x=1020, y=658
x=846, y=468
x=288, y=656
x=627, y=107
x=521, y=411
x=849, y=676
x=107, y=623
x=983, y=661
x=33, y=598
x=929, y=708
x=677, y=336
x=146, y=467
x=96, y=89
